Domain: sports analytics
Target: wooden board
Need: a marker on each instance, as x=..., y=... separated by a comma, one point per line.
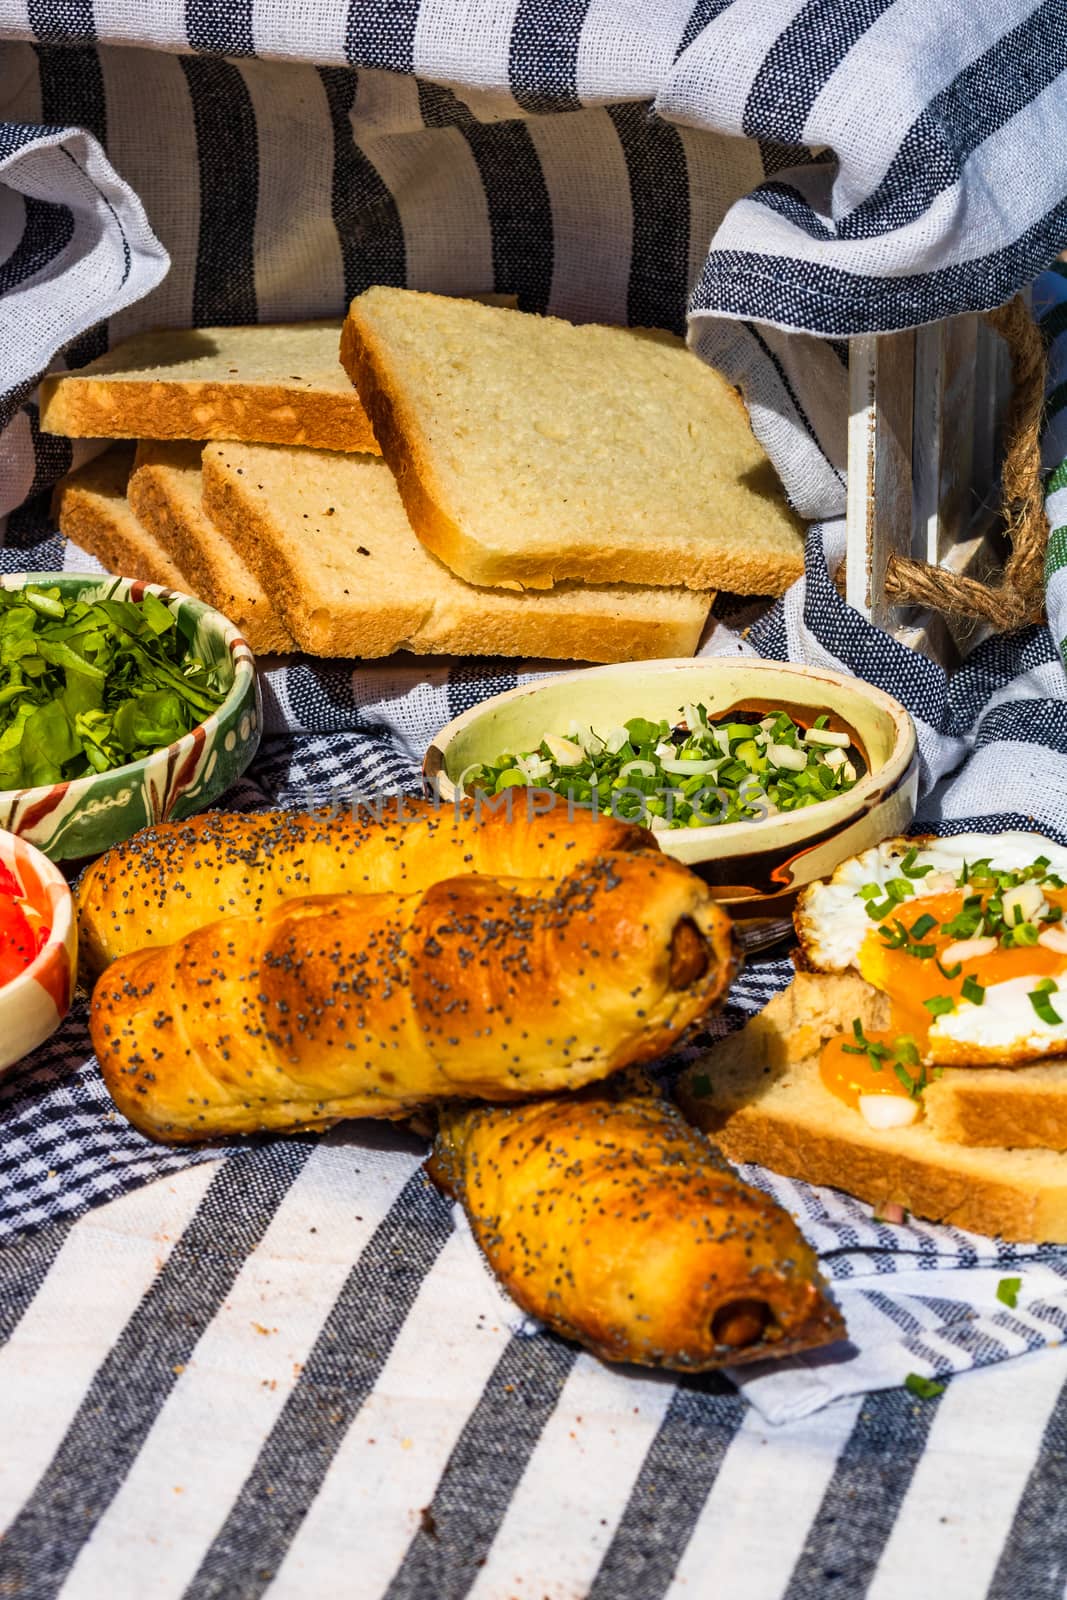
x=926, y=409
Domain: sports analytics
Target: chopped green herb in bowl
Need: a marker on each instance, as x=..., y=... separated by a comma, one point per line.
x=121, y=703
x=860, y=789
x=697, y=772
x=87, y=685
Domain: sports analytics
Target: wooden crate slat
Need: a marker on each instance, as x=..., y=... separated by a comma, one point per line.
x=880, y=436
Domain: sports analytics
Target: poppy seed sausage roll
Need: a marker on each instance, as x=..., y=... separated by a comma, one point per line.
x=174, y=877
x=612, y=1220
x=371, y=1005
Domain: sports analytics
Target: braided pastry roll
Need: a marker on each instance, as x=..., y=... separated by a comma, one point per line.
x=172, y=878
x=371, y=1005
x=608, y=1217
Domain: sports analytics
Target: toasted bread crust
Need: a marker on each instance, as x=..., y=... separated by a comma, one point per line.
x=1024, y=1108
x=925, y=1181
x=114, y=408
x=394, y=432
x=205, y=554
x=91, y=510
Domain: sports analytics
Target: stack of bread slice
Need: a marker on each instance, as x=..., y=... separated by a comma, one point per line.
x=435, y=475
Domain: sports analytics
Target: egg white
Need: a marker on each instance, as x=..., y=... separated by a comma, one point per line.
x=1005, y=1022
x=832, y=920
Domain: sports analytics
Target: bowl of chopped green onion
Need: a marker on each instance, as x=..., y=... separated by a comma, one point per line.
x=761, y=774
x=121, y=704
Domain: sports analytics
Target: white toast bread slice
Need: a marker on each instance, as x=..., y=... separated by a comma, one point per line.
x=91, y=510
x=529, y=450
x=165, y=492
x=759, y=1095
x=280, y=383
x=328, y=537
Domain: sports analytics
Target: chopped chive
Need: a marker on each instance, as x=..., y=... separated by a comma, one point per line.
x=1008, y=1291
x=950, y=972
x=925, y=1388
x=973, y=991
x=906, y=1078
x=1043, y=1006
x=734, y=779
x=899, y=888
x=908, y=867
x=939, y=1004
x=923, y=925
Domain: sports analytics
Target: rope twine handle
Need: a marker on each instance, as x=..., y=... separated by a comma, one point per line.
x=1020, y=595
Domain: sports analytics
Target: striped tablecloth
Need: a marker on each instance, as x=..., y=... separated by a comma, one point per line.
x=287, y=1370
x=290, y=1374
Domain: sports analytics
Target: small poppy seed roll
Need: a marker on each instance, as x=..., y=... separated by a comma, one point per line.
x=611, y=1219
x=174, y=877
x=371, y=1005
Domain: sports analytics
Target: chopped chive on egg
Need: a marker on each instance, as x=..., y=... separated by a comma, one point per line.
x=694, y=773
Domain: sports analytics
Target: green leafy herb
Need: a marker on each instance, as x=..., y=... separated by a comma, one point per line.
x=1039, y=999
x=908, y=867
x=1008, y=1291
x=88, y=685
x=925, y=1388
x=876, y=1054
x=906, y=1054
x=966, y=924
x=950, y=972
x=939, y=1004
x=973, y=991
x=897, y=938
x=905, y=1078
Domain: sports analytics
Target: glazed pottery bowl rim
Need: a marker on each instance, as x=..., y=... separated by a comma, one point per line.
x=736, y=838
x=61, y=924
x=244, y=678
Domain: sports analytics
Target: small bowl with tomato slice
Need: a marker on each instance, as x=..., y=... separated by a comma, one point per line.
x=38, y=948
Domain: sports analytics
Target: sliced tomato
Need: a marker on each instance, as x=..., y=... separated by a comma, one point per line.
x=10, y=886
x=19, y=941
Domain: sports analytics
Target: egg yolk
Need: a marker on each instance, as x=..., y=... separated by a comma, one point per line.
x=849, y=1072
x=909, y=980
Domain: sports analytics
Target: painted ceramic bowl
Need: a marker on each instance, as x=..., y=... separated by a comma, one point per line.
x=34, y=1003
x=85, y=816
x=761, y=861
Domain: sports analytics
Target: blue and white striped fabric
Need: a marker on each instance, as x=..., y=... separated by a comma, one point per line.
x=818, y=167
x=284, y=1368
